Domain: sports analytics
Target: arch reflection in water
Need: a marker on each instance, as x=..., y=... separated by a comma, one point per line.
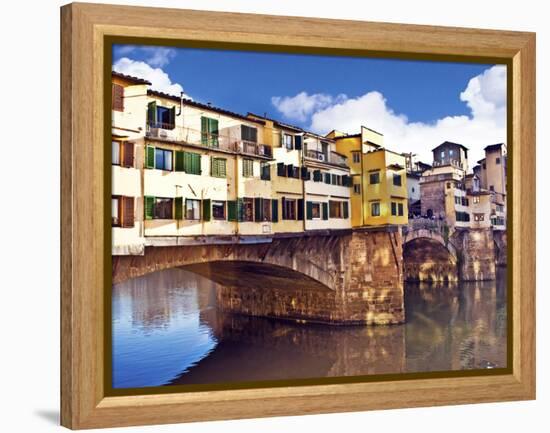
x=167, y=330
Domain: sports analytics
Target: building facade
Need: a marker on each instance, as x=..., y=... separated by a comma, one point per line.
x=379, y=182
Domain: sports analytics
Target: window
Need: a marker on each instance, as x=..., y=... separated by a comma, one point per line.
x=357, y=188
x=484, y=166
x=289, y=209
x=209, y=132
x=265, y=204
x=451, y=152
x=479, y=217
x=476, y=199
x=192, y=209
x=248, y=133
x=394, y=208
x=457, y=199
x=159, y=208
x=498, y=161
x=375, y=209
x=218, y=167
x=117, y=97
x=122, y=211
x=161, y=117
x=374, y=178
x=336, y=179
x=356, y=157
x=247, y=212
x=335, y=209
x=265, y=171
x=218, y=210
x=412, y=189
x=248, y=167
x=281, y=169
x=397, y=179
x=491, y=187
x=462, y=216
x=315, y=212
x=287, y=141
x=163, y=159
x=442, y=154
x=115, y=211
x=327, y=178
x=116, y=152
x=188, y=162
x=400, y=209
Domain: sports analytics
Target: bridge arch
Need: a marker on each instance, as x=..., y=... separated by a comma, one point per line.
x=317, y=261
x=427, y=256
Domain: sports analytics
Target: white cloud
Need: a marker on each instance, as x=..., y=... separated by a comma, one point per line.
x=159, y=79
x=301, y=106
x=159, y=56
x=154, y=56
x=485, y=95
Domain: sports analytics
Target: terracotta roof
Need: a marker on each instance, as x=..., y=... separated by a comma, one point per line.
x=277, y=122
x=135, y=80
x=203, y=106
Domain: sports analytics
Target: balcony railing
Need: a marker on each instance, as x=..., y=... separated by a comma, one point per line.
x=195, y=137
x=332, y=157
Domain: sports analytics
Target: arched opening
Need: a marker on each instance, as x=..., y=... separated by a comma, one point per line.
x=255, y=275
x=428, y=260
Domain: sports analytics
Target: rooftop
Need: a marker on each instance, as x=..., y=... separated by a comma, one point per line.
x=203, y=106
x=493, y=147
x=135, y=80
x=446, y=143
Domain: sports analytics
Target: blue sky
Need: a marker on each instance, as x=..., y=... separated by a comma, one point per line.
x=399, y=98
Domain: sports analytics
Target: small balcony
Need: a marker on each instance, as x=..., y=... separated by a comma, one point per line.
x=184, y=135
x=331, y=158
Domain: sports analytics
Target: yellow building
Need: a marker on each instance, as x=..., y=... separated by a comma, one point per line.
x=379, y=180
x=287, y=185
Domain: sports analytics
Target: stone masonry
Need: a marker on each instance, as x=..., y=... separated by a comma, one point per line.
x=353, y=277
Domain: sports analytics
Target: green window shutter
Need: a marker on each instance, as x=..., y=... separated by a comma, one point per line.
x=152, y=113
x=204, y=131
x=298, y=142
x=346, y=209
x=178, y=203
x=149, y=157
x=300, y=208
x=214, y=132
x=206, y=207
x=258, y=210
x=187, y=162
x=240, y=209
x=180, y=160
x=223, y=167
x=309, y=210
x=149, y=204
x=232, y=210
x=172, y=118
x=275, y=210
x=196, y=163
x=325, y=211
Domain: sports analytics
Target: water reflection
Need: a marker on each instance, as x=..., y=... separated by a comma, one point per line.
x=166, y=330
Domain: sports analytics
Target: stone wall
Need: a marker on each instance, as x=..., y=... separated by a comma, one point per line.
x=477, y=254
x=369, y=291
x=355, y=277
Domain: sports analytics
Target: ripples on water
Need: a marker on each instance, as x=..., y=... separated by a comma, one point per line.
x=166, y=330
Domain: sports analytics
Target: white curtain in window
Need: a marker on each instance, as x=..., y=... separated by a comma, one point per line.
x=116, y=152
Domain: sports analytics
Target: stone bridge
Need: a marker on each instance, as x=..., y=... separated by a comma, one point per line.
x=431, y=252
x=338, y=277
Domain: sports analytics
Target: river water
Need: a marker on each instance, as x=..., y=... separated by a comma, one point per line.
x=167, y=330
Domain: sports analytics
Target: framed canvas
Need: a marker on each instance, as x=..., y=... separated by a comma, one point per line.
x=250, y=229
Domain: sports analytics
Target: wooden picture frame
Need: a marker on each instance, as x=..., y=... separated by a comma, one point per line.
x=84, y=220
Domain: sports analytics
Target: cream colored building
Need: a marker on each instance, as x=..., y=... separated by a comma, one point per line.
x=129, y=97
